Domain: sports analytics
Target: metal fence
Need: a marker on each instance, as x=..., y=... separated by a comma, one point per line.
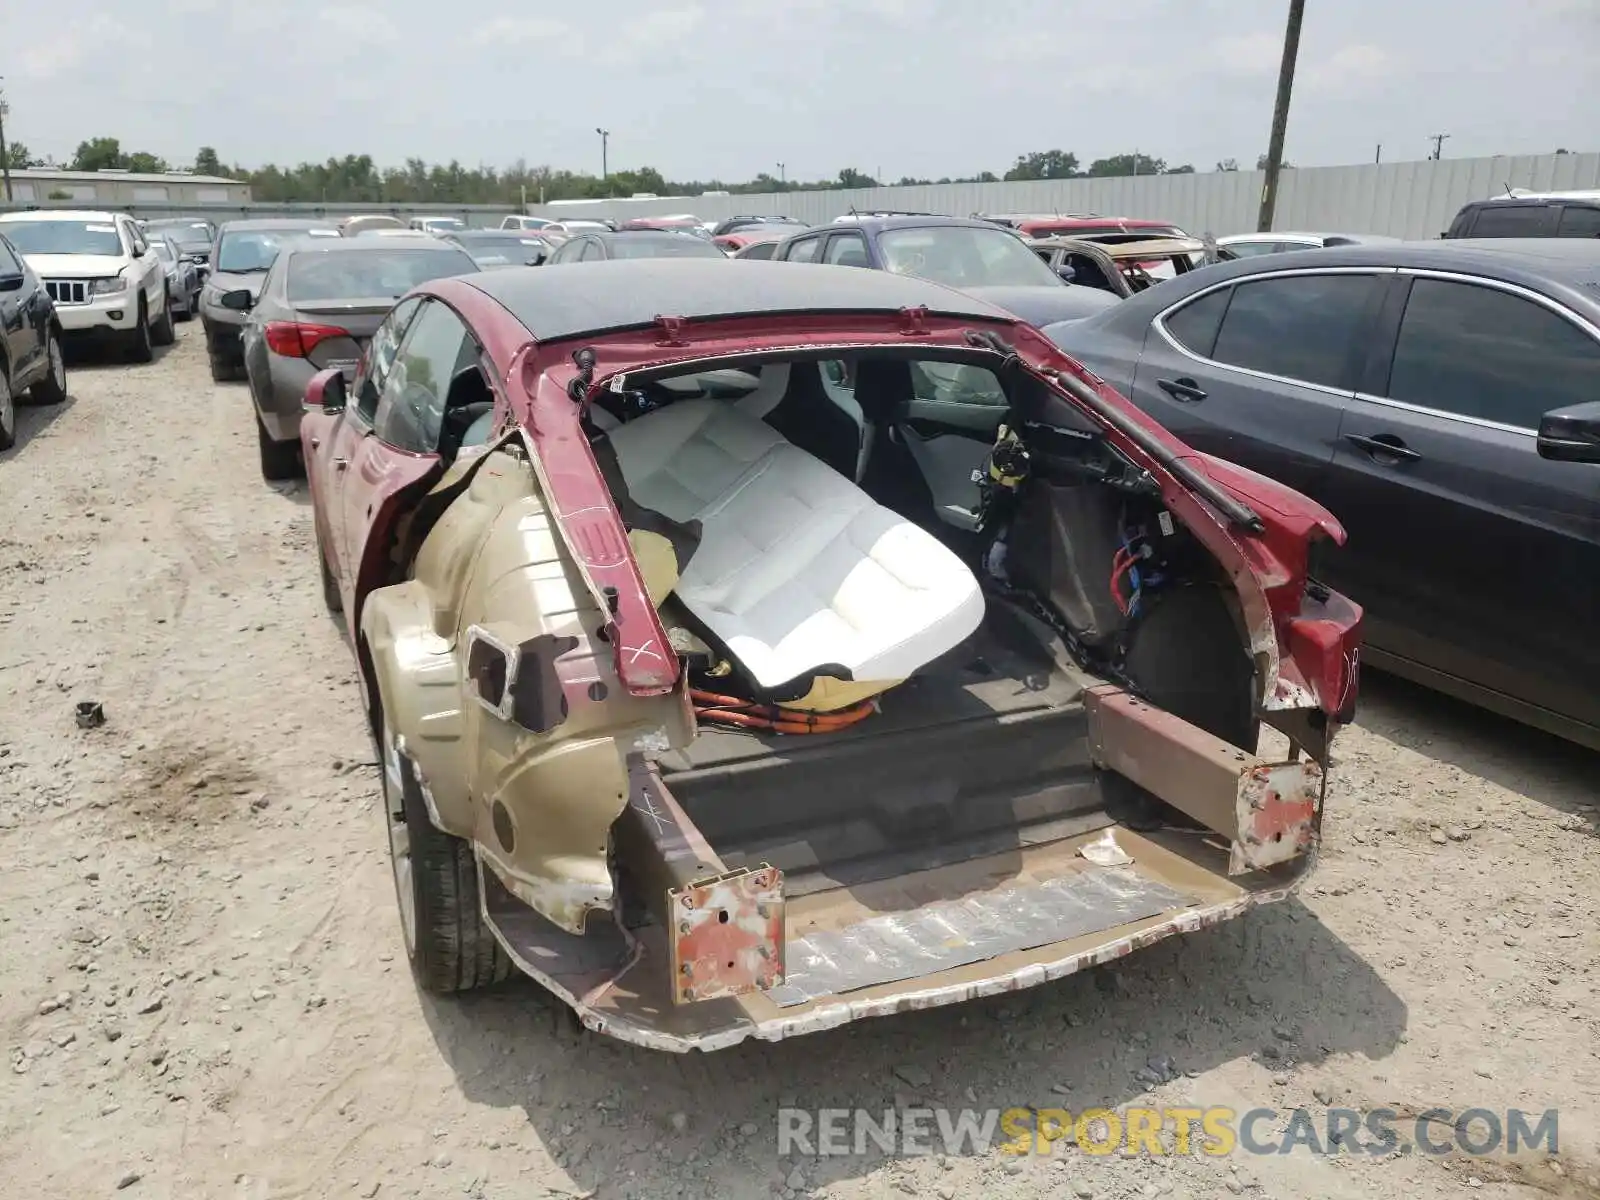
x=1402, y=199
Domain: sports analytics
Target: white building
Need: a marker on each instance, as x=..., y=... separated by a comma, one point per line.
x=37, y=185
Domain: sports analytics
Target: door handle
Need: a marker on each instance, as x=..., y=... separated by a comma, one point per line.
x=340, y=464
x=1182, y=388
x=1383, y=445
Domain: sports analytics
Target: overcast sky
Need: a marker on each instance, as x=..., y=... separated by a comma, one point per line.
x=716, y=89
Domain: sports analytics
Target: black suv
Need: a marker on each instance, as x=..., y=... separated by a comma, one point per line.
x=30, y=342
x=1528, y=217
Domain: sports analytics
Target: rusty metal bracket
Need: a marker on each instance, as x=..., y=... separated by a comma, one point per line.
x=1271, y=812
x=727, y=936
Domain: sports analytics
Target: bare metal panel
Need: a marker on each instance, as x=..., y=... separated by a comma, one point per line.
x=941, y=936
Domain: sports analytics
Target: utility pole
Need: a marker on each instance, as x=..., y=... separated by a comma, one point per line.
x=605, y=138
x=1280, y=115
x=1438, y=144
x=5, y=155
x=782, y=178
x=1378, y=157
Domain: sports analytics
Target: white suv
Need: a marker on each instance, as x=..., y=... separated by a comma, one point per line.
x=100, y=271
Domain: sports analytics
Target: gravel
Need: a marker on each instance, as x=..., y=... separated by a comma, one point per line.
x=189, y=606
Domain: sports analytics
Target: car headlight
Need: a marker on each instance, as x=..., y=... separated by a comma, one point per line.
x=108, y=287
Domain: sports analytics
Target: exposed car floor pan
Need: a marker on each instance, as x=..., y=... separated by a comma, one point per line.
x=981, y=752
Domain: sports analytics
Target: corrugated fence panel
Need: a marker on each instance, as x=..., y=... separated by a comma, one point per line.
x=1403, y=199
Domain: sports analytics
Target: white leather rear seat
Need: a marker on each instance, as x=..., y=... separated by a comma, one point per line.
x=797, y=568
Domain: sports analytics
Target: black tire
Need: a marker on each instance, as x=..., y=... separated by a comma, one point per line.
x=224, y=369
x=330, y=585
x=162, y=333
x=140, y=349
x=1187, y=656
x=8, y=409
x=279, y=460
x=52, y=389
x=449, y=946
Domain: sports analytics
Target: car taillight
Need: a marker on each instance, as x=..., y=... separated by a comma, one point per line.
x=296, y=339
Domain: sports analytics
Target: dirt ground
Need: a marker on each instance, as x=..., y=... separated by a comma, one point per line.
x=203, y=993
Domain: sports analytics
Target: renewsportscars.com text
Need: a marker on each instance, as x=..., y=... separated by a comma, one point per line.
x=1183, y=1131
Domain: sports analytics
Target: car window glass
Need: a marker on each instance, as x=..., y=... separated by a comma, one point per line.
x=1577, y=221
x=592, y=251
x=945, y=382
x=1251, y=249
x=804, y=251
x=1301, y=327
x=9, y=265
x=412, y=400
x=380, y=355
x=847, y=250
x=1481, y=352
x=1510, y=220
x=1195, y=325
x=760, y=250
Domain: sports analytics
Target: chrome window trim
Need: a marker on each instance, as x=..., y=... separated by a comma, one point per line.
x=1160, y=321
x=1515, y=289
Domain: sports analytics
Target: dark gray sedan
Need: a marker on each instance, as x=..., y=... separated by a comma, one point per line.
x=241, y=258
x=183, y=277
x=1442, y=399
x=318, y=306
x=496, y=249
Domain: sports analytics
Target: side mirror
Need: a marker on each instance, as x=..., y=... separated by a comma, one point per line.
x=1571, y=434
x=538, y=258
x=1067, y=274
x=325, y=392
x=239, y=300
x=11, y=282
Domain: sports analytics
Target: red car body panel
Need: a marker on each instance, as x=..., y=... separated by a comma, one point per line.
x=1309, y=643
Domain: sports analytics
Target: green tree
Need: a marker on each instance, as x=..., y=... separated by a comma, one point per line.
x=148, y=163
x=18, y=158
x=1127, y=164
x=852, y=178
x=1044, y=164
x=1228, y=164
x=1261, y=163
x=97, y=153
x=206, y=162
x=1185, y=169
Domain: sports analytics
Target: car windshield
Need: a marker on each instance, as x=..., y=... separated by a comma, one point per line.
x=248, y=250
x=63, y=237
x=672, y=246
x=507, y=251
x=443, y=223
x=964, y=256
x=369, y=274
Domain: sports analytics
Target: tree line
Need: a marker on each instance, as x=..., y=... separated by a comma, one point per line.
x=357, y=178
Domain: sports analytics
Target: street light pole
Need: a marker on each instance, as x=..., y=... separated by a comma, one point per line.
x=605, y=137
x=782, y=178
x=1280, y=115
x=5, y=155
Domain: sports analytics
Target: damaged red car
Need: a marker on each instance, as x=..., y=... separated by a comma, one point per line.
x=752, y=648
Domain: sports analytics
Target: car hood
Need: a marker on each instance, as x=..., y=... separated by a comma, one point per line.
x=75, y=266
x=1042, y=306
x=228, y=281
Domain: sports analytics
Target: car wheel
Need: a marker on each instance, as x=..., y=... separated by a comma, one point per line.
x=330, y=585
x=279, y=460
x=8, y=412
x=52, y=389
x=140, y=349
x=162, y=333
x=436, y=885
x=224, y=369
